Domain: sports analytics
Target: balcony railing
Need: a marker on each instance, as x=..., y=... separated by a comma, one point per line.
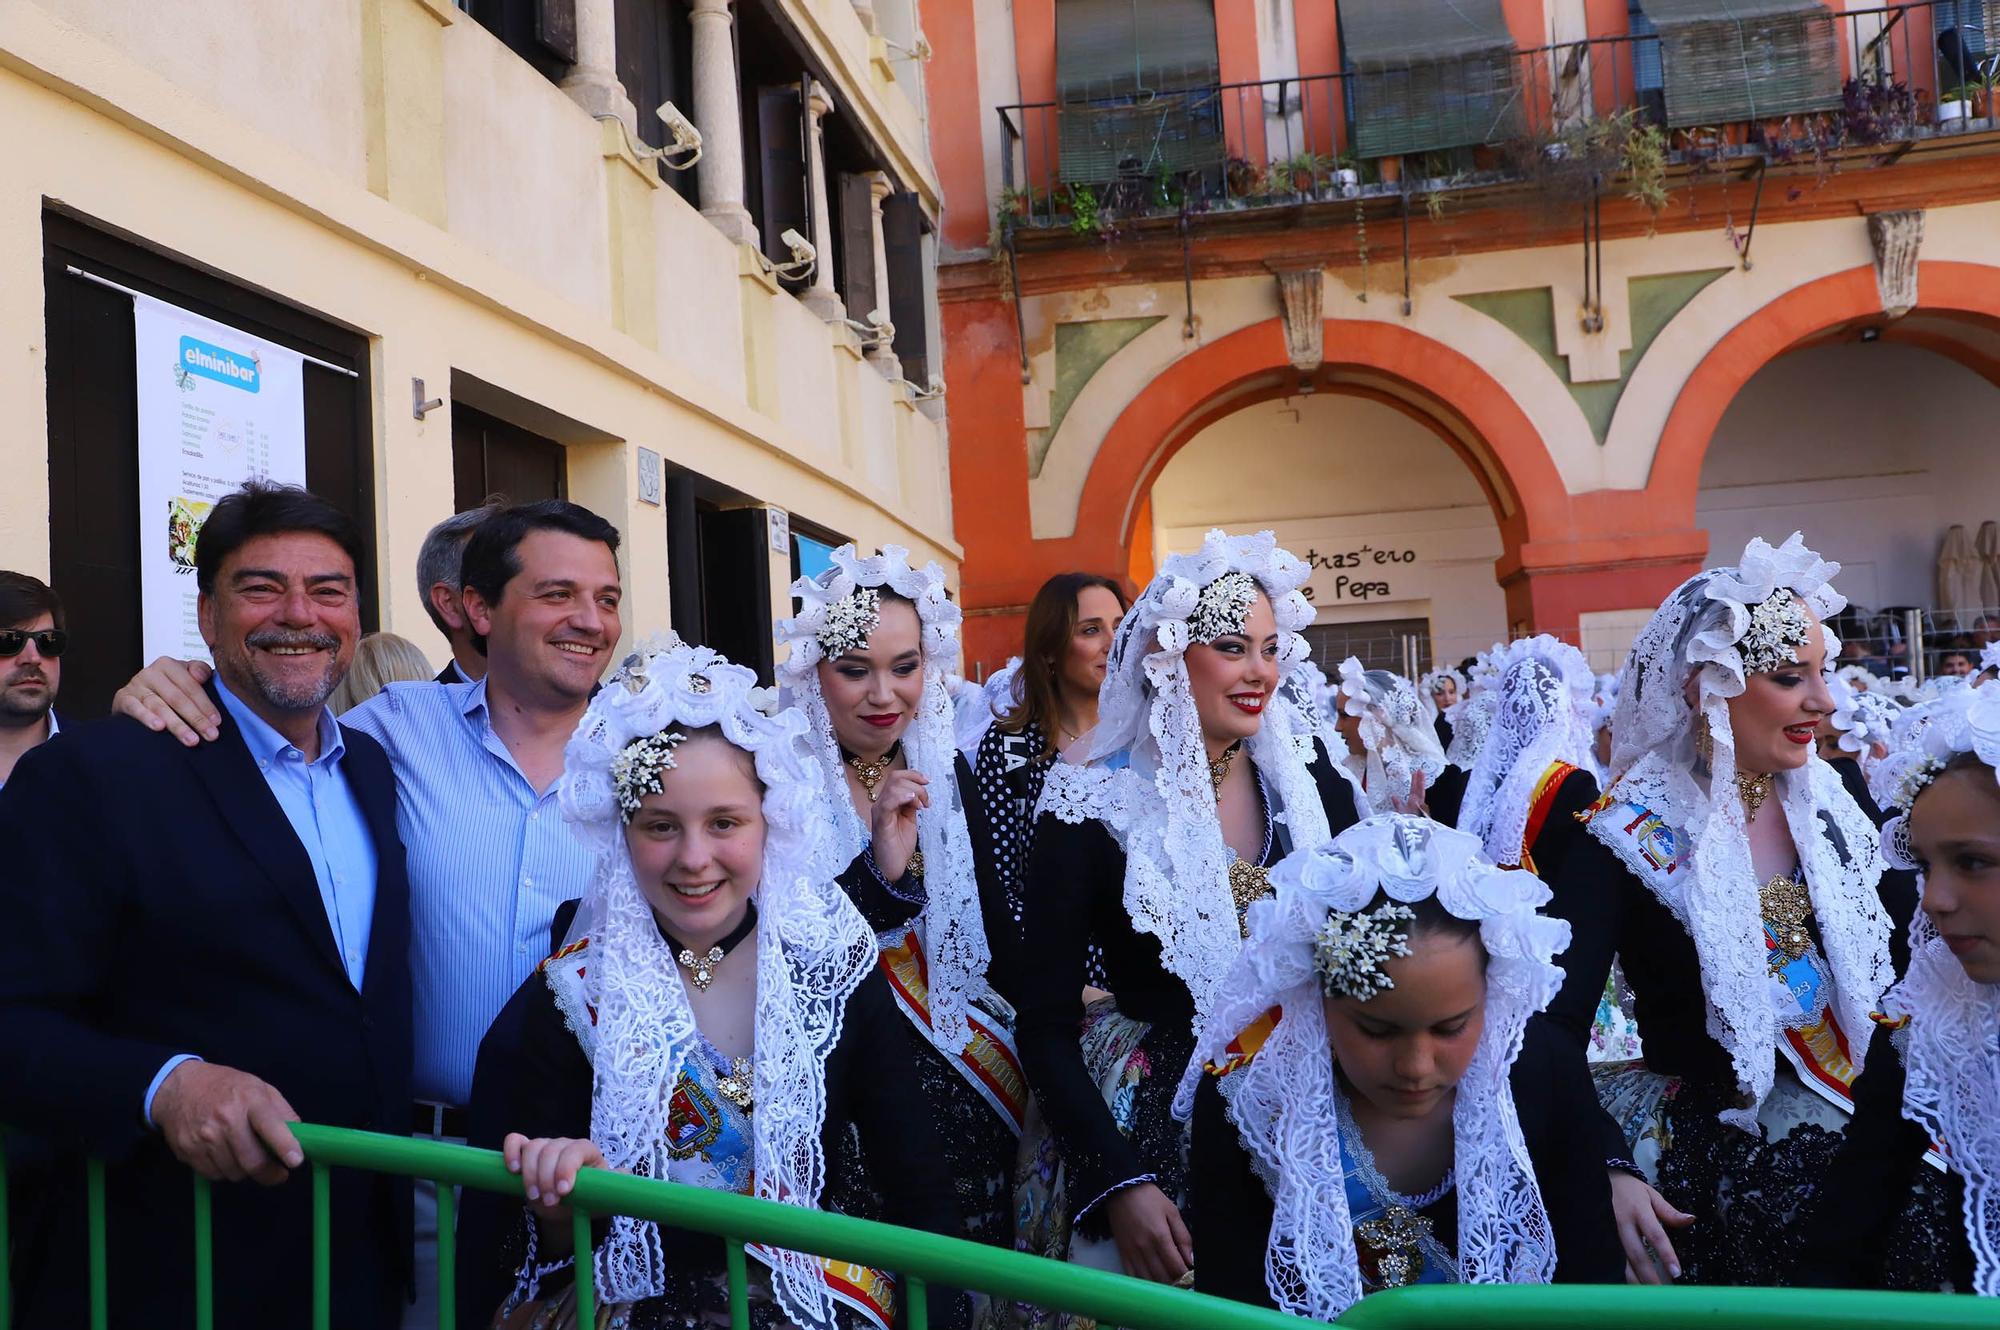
x=1575, y=115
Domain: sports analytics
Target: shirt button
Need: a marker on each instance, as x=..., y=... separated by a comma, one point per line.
x=535, y=816
x=527, y=881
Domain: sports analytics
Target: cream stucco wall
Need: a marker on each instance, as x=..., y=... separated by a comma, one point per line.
x=1787, y=257
x=1332, y=474
x=1870, y=450
x=505, y=239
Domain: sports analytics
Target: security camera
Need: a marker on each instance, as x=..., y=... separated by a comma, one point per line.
x=802, y=251
x=877, y=317
x=686, y=136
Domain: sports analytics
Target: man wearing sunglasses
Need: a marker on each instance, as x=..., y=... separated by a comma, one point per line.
x=32, y=639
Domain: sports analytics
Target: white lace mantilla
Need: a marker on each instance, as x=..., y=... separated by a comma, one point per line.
x=950, y=927
x=1952, y=1084
x=813, y=949
x=1283, y=1102
x=1544, y=715
x=1400, y=744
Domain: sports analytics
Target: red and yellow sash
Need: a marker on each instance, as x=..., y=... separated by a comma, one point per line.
x=1539, y=806
x=988, y=1060
x=1246, y=1045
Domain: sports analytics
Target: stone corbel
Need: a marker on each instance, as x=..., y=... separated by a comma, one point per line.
x=1299, y=296
x=1895, y=237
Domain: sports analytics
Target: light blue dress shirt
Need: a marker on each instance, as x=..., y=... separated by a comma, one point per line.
x=327, y=818
x=490, y=858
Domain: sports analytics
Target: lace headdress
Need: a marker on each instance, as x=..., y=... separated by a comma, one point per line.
x=1398, y=740
x=1545, y=714
x=813, y=949
x=1470, y=720
x=1282, y=1101
x=1714, y=630
x=838, y=611
x=1148, y=780
x=1952, y=1089
x=1428, y=685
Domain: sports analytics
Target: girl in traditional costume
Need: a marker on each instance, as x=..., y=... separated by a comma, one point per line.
x=1372, y=1105
x=716, y=1018
x=1392, y=748
x=1533, y=772
x=871, y=647
x=1931, y=1093
x=1741, y=889
x=1203, y=773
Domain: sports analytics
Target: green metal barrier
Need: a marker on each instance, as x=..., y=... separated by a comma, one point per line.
x=924, y=1258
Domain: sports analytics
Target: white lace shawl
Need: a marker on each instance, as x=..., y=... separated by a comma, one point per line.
x=1427, y=688
x=1397, y=740
x=1470, y=719
x=1282, y=1102
x=1952, y=1083
x=1148, y=780
x=950, y=927
x=1715, y=895
x=813, y=950
x=1544, y=715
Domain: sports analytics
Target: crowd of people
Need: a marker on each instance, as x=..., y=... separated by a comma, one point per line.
x=1163, y=951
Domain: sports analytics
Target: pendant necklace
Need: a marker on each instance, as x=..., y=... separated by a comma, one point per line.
x=701, y=968
x=872, y=774
x=1753, y=790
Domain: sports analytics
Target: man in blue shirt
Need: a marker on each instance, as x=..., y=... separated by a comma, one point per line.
x=204, y=945
x=478, y=769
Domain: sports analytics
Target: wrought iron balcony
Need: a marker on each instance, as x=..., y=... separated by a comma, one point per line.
x=1616, y=114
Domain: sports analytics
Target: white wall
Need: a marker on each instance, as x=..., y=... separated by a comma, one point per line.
x=1872, y=450
x=1331, y=474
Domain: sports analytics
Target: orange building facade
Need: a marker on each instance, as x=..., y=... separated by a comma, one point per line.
x=1505, y=339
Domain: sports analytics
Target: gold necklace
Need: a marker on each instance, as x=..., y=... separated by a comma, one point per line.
x=701, y=969
x=739, y=1086
x=1247, y=883
x=1396, y=1241
x=872, y=774
x=1218, y=768
x=1753, y=790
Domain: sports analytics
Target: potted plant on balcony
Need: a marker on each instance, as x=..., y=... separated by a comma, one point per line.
x=1968, y=101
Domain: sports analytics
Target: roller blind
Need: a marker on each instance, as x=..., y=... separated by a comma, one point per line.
x=1137, y=79
x=1429, y=74
x=1733, y=60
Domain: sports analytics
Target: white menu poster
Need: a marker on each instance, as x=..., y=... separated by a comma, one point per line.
x=217, y=407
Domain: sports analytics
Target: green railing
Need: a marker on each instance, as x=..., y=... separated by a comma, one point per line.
x=925, y=1258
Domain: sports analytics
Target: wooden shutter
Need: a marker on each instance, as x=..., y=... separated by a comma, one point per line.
x=490, y=456
x=1732, y=60
x=655, y=65
x=555, y=28
x=855, y=238
x=736, y=586
x=1429, y=74
x=909, y=309
x=781, y=167
x=524, y=28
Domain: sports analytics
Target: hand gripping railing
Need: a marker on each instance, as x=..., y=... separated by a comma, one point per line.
x=925, y=1258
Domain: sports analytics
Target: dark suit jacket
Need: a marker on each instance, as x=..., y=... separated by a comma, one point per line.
x=158, y=902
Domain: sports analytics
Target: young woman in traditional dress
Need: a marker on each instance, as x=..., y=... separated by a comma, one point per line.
x=1740, y=888
x=1934, y=1061
x=716, y=1018
x=871, y=646
x=1533, y=773
x=1391, y=747
x=1203, y=773
x=1372, y=1105
x=1050, y=705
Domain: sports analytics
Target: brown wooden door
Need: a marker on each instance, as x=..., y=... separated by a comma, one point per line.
x=494, y=458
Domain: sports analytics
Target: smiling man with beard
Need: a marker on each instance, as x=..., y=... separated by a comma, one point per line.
x=207, y=944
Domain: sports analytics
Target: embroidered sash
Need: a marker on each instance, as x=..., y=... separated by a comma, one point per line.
x=1543, y=800
x=709, y=1140
x=988, y=1061
x=1246, y=1045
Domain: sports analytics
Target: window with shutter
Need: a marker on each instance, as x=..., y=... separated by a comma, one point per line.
x=541, y=32
x=1426, y=75
x=1725, y=61
x=655, y=65
x=903, y=229
x=1137, y=82
x=784, y=203
x=855, y=239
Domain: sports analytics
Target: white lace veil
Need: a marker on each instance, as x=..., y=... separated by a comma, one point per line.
x=813, y=949
x=1544, y=714
x=1282, y=1102
x=1470, y=719
x=1952, y=1089
x=1427, y=688
x=1694, y=637
x=953, y=934
x=1148, y=779
x=1398, y=739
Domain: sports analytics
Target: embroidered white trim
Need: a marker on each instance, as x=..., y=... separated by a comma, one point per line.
x=950, y=927
x=813, y=949
x=1283, y=1101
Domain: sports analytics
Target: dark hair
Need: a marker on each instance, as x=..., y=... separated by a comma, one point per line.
x=261, y=508
x=1973, y=762
x=1051, y=622
x=1968, y=657
x=492, y=557
x=439, y=557
x=1432, y=917
x=24, y=598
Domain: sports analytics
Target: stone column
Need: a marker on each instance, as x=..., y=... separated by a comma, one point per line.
x=820, y=297
x=719, y=117
x=883, y=354
x=592, y=82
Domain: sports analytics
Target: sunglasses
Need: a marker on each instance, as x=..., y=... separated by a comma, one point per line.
x=51, y=642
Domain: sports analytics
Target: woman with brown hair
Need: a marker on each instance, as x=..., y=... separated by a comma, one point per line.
x=1071, y=623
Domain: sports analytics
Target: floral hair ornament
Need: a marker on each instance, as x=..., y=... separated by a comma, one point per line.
x=1778, y=627
x=849, y=623
x=1353, y=951
x=636, y=771
x=1223, y=607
